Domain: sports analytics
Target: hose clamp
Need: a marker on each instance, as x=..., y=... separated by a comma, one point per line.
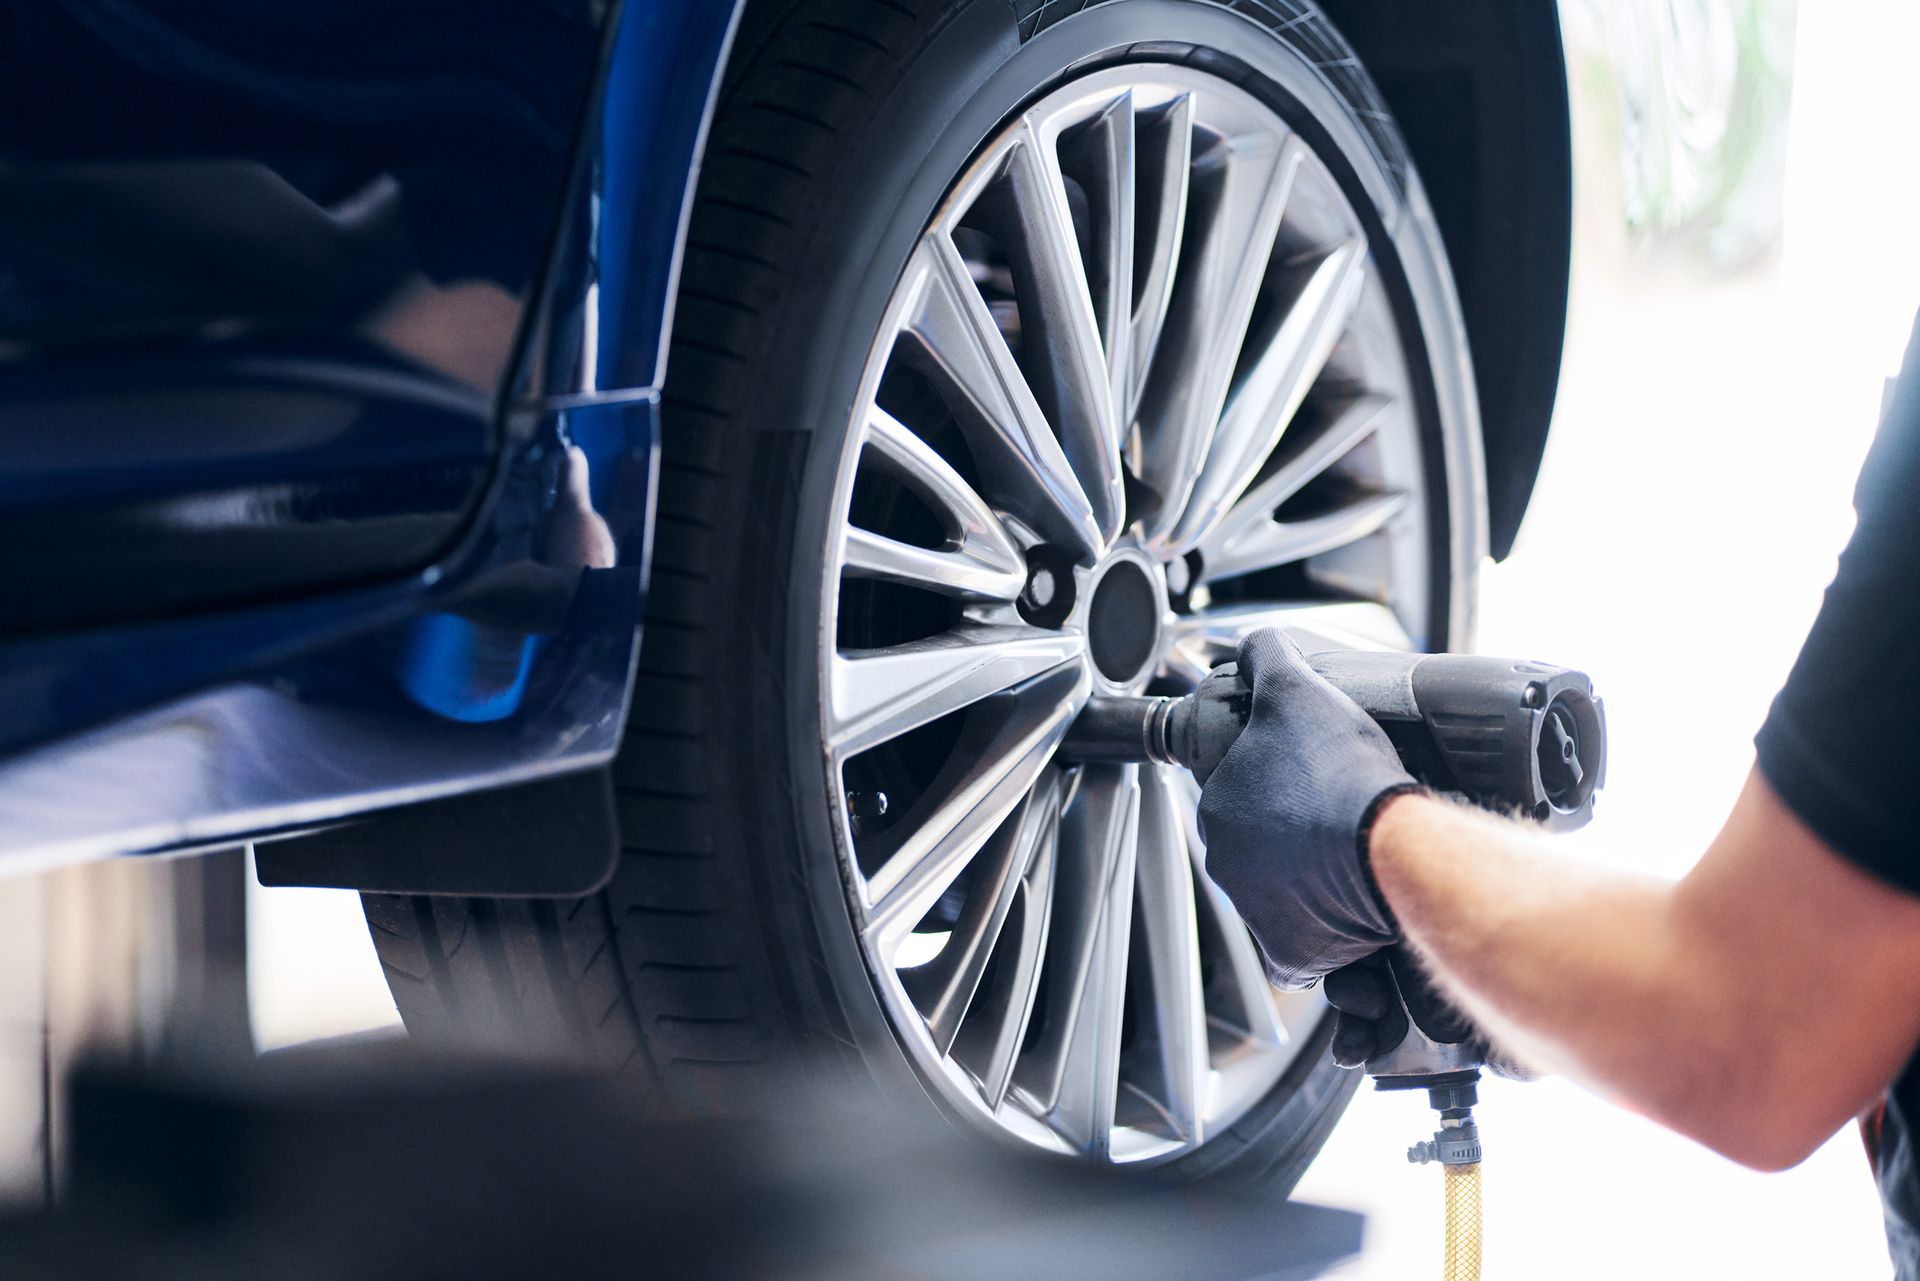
x=1454, y=1143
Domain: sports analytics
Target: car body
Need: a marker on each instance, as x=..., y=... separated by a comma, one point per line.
x=330, y=372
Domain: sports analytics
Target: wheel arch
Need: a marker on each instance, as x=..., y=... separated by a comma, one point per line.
x=1479, y=90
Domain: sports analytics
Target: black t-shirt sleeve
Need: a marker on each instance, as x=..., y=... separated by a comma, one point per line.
x=1841, y=745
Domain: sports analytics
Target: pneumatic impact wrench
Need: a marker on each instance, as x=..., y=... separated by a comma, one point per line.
x=1523, y=738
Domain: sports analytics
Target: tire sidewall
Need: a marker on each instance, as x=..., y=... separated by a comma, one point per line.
x=968, y=78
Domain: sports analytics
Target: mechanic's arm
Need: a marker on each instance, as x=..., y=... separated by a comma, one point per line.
x=1754, y=1006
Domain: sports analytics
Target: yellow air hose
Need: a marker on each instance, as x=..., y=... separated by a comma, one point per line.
x=1456, y=1146
x=1463, y=1222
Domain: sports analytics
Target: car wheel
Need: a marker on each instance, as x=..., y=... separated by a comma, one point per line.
x=1016, y=359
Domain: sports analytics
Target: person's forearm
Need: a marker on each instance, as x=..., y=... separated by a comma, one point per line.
x=1656, y=993
x=1554, y=959
x=1559, y=961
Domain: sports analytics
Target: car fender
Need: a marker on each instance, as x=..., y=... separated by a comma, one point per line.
x=1479, y=90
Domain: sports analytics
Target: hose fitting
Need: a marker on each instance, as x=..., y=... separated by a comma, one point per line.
x=1456, y=1142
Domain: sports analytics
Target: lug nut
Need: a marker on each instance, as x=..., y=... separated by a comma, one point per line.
x=1042, y=587
x=1048, y=597
x=867, y=804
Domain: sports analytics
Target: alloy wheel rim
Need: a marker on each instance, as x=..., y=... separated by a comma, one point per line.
x=1140, y=358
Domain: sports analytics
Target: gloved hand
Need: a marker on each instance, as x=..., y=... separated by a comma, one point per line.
x=1375, y=1001
x=1283, y=814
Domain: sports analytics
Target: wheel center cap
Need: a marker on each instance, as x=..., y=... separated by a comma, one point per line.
x=1125, y=614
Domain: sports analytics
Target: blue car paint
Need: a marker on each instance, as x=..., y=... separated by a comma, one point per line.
x=466, y=671
x=244, y=260
x=509, y=657
x=146, y=485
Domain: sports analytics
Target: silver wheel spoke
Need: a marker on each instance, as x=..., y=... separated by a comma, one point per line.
x=1163, y=156
x=1107, y=145
x=1272, y=390
x=993, y=1037
x=1255, y=1014
x=1234, y=214
x=1073, y=1072
x=1273, y=542
x=944, y=988
x=991, y=771
x=962, y=573
x=1214, y=636
x=1311, y=453
x=1010, y=436
x=880, y=694
x=1165, y=903
x=980, y=561
x=1060, y=317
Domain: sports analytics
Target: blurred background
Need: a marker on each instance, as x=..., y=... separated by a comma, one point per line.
x=1745, y=278
x=1744, y=282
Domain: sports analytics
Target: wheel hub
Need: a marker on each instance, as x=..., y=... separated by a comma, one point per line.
x=1126, y=619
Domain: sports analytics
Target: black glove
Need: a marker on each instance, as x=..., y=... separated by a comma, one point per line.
x=1377, y=998
x=1283, y=815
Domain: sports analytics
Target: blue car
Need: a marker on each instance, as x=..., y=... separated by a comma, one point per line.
x=640, y=488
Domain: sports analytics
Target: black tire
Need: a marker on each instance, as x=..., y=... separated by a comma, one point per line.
x=719, y=961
